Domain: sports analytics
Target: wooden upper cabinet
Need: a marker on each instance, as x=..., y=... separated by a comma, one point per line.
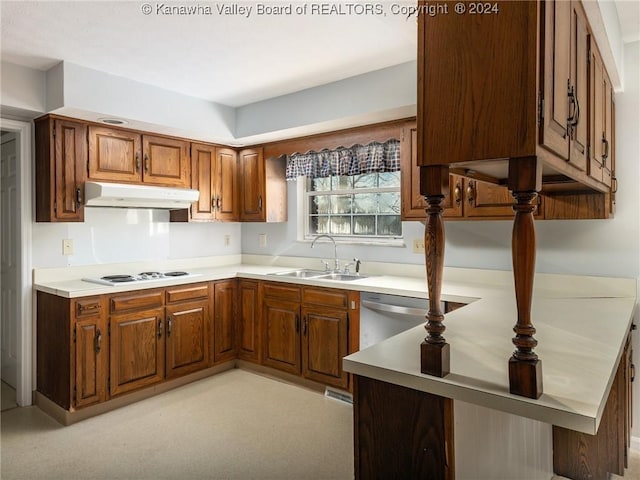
x=114, y=155
x=253, y=191
x=125, y=156
x=203, y=163
x=165, y=161
x=579, y=90
x=61, y=156
x=483, y=200
x=226, y=185
x=601, y=116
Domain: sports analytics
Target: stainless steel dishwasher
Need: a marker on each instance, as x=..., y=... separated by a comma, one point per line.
x=383, y=316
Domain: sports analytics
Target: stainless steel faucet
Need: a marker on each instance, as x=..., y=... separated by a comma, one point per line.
x=336, y=264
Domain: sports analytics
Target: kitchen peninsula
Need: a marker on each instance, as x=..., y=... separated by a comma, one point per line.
x=580, y=362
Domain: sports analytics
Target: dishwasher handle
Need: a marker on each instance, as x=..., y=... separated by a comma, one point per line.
x=398, y=309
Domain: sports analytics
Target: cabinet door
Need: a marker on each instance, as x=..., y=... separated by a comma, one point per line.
x=70, y=158
x=91, y=350
x=413, y=204
x=597, y=115
x=136, y=350
x=608, y=139
x=484, y=200
x=224, y=305
x=579, y=88
x=249, y=321
x=557, y=72
x=281, y=336
x=203, y=160
x=166, y=161
x=324, y=344
x=187, y=337
x=114, y=155
x=226, y=178
x=252, y=193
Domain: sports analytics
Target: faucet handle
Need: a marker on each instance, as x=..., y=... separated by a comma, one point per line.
x=326, y=265
x=357, y=262
x=346, y=267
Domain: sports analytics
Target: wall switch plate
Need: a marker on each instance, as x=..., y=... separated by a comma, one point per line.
x=418, y=245
x=227, y=240
x=67, y=246
x=262, y=240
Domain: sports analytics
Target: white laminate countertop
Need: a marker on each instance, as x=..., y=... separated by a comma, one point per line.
x=582, y=323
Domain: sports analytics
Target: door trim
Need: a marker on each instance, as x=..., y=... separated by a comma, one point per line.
x=25, y=304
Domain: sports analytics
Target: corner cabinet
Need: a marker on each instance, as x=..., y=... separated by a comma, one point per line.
x=225, y=303
x=249, y=329
x=263, y=196
x=61, y=158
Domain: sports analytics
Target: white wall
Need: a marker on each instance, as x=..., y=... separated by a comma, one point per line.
x=114, y=235
x=22, y=91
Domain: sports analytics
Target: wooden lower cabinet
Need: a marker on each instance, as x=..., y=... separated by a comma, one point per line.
x=188, y=328
x=225, y=307
x=306, y=332
x=248, y=322
x=91, y=349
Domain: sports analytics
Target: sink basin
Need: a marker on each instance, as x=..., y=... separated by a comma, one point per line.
x=341, y=277
x=304, y=273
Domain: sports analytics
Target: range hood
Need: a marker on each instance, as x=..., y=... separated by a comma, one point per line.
x=103, y=194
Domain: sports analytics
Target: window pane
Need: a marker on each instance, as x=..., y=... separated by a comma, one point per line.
x=367, y=180
x=341, y=225
x=319, y=204
x=342, y=183
x=341, y=204
x=365, y=203
x=321, y=184
x=364, y=225
x=318, y=224
x=389, y=179
x=389, y=225
x=389, y=203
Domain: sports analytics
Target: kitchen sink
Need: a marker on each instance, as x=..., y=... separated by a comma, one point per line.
x=341, y=277
x=304, y=273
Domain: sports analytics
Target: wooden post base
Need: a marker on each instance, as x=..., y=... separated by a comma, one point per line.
x=525, y=377
x=434, y=359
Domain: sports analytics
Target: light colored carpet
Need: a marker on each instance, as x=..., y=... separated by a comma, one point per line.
x=235, y=425
x=8, y=397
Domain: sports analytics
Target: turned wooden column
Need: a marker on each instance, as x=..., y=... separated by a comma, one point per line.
x=434, y=350
x=525, y=368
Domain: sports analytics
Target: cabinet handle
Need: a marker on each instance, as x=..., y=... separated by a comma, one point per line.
x=169, y=325
x=633, y=372
x=297, y=324
x=78, y=196
x=98, y=346
x=137, y=161
x=213, y=202
x=605, y=155
x=146, y=163
x=159, y=328
x=219, y=203
x=87, y=308
x=470, y=193
x=571, y=120
x=304, y=326
x=260, y=203
x=457, y=194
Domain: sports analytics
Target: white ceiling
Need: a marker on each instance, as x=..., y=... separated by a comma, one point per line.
x=228, y=59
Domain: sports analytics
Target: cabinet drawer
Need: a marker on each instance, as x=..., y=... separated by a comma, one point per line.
x=88, y=307
x=136, y=301
x=187, y=292
x=325, y=296
x=281, y=291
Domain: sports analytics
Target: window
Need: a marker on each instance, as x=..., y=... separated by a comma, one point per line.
x=364, y=206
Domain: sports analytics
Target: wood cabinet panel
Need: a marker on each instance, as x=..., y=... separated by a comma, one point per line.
x=249, y=328
x=281, y=290
x=224, y=337
x=136, y=300
x=203, y=164
x=114, y=155
x=487, y=200
x=92, y=348
x=137, y=350
x=281, y=336
x=327, y=297
x=252, y=193
x=324, y=344
x=187, y=292
x=61, y=156
x=166, y=161
x=579, y=45
x=187, y=337
x=227, y=185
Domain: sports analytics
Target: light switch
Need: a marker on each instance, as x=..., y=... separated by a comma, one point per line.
x=262, y=240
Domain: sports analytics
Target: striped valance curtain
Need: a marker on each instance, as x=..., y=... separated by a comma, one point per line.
x=356, y=160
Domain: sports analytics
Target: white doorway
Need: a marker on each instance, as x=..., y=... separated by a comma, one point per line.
x=9, y=253
x=16, y=298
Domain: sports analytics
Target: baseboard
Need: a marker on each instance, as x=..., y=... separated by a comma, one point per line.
x=635, y=444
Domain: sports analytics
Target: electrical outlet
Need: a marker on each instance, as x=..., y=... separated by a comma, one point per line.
x=262, y=240
x=418, y=245
x=227, y=240
x=67, y=246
